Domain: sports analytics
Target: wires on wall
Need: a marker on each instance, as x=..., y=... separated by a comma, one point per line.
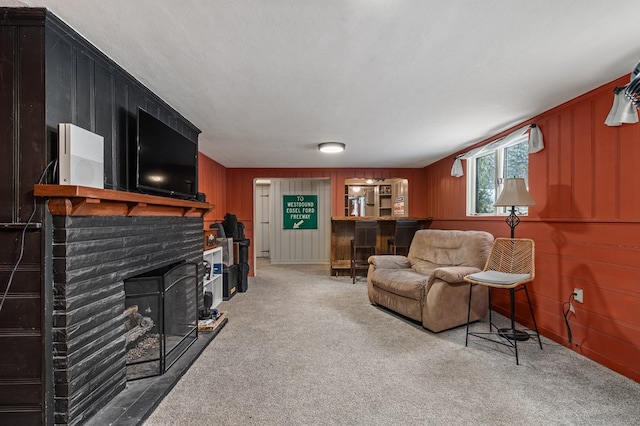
x=24, y=231
x=567, y=309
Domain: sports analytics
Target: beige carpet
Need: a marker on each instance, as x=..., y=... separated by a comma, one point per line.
x=304, y=348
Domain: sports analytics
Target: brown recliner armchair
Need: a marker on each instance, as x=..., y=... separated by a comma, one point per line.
x=427, y=285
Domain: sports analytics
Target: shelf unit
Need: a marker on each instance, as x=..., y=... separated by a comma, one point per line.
x=213, y=279
x=346, y=200
x=384, y=202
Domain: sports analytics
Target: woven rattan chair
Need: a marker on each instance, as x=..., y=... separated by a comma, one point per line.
x=511, y=265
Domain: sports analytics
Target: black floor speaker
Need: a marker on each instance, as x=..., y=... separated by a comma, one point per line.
x=229, y=281
x=243, y=277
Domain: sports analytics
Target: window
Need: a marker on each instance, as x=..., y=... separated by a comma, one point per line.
x=487, y=170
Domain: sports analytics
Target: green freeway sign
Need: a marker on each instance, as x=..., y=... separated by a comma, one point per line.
x=300, y=212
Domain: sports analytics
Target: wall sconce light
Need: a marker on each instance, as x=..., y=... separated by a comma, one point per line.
x=514, y=194
x=331, y=147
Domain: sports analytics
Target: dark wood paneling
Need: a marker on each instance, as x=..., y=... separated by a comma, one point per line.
x=15, y=362
x=19, y=393
x=8, y=85
x=21, y=312
x=33, y=153
x=98, y=95
x=104, y=113
x=120, y=125
x=60, y=89
x=30, y=277
x=23, y=156
x=84, y=90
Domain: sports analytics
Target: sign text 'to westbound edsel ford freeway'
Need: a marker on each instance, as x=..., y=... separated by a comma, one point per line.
x=300, y=212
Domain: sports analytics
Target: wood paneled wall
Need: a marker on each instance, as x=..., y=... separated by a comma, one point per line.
x=86, y=88
x=240, y=185
x=25, y=315
x=586, y=226
x=235, y=195
x=212, y=182
x=304, y=245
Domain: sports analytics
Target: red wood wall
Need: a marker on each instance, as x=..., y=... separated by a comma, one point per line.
x=240, y=185
x=586, y=226
x=231, y=190
x=212, y=181
x=240, y=188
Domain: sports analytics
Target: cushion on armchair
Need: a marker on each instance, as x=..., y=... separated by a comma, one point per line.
x=390, y=262
x=453, y=274
x=448, y=248
x=404, y=282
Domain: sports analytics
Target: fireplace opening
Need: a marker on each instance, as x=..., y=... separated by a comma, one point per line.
x=161, y=318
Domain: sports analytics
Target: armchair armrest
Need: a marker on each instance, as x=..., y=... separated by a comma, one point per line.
x=390, y=261
x=453, y=274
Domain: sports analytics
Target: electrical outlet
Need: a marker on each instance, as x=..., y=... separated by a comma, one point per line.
x=578, y=295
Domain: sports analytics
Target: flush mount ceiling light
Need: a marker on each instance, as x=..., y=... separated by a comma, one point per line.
x=331, y=147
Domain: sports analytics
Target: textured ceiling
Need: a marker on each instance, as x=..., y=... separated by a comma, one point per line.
x=402, y=82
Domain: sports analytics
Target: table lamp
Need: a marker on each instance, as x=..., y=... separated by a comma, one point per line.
x=513, y=195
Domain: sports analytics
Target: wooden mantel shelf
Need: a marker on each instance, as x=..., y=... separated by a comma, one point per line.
x=70, y=200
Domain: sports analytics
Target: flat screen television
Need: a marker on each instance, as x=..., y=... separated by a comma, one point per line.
x=166, y=162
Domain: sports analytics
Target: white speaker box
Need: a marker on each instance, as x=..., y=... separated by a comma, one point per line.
x=80, y=156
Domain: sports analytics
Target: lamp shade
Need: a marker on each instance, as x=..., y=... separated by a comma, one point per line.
x=331, y=147
x=514, y=194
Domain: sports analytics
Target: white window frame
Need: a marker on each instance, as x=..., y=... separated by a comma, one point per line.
x=497, y=148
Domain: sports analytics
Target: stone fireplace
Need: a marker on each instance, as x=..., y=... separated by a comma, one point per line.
x=94, y=253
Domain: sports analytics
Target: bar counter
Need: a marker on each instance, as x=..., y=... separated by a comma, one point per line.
x=342, y=232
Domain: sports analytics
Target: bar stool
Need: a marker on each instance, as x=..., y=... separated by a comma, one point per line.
x=365, y=238
x=405, y=230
